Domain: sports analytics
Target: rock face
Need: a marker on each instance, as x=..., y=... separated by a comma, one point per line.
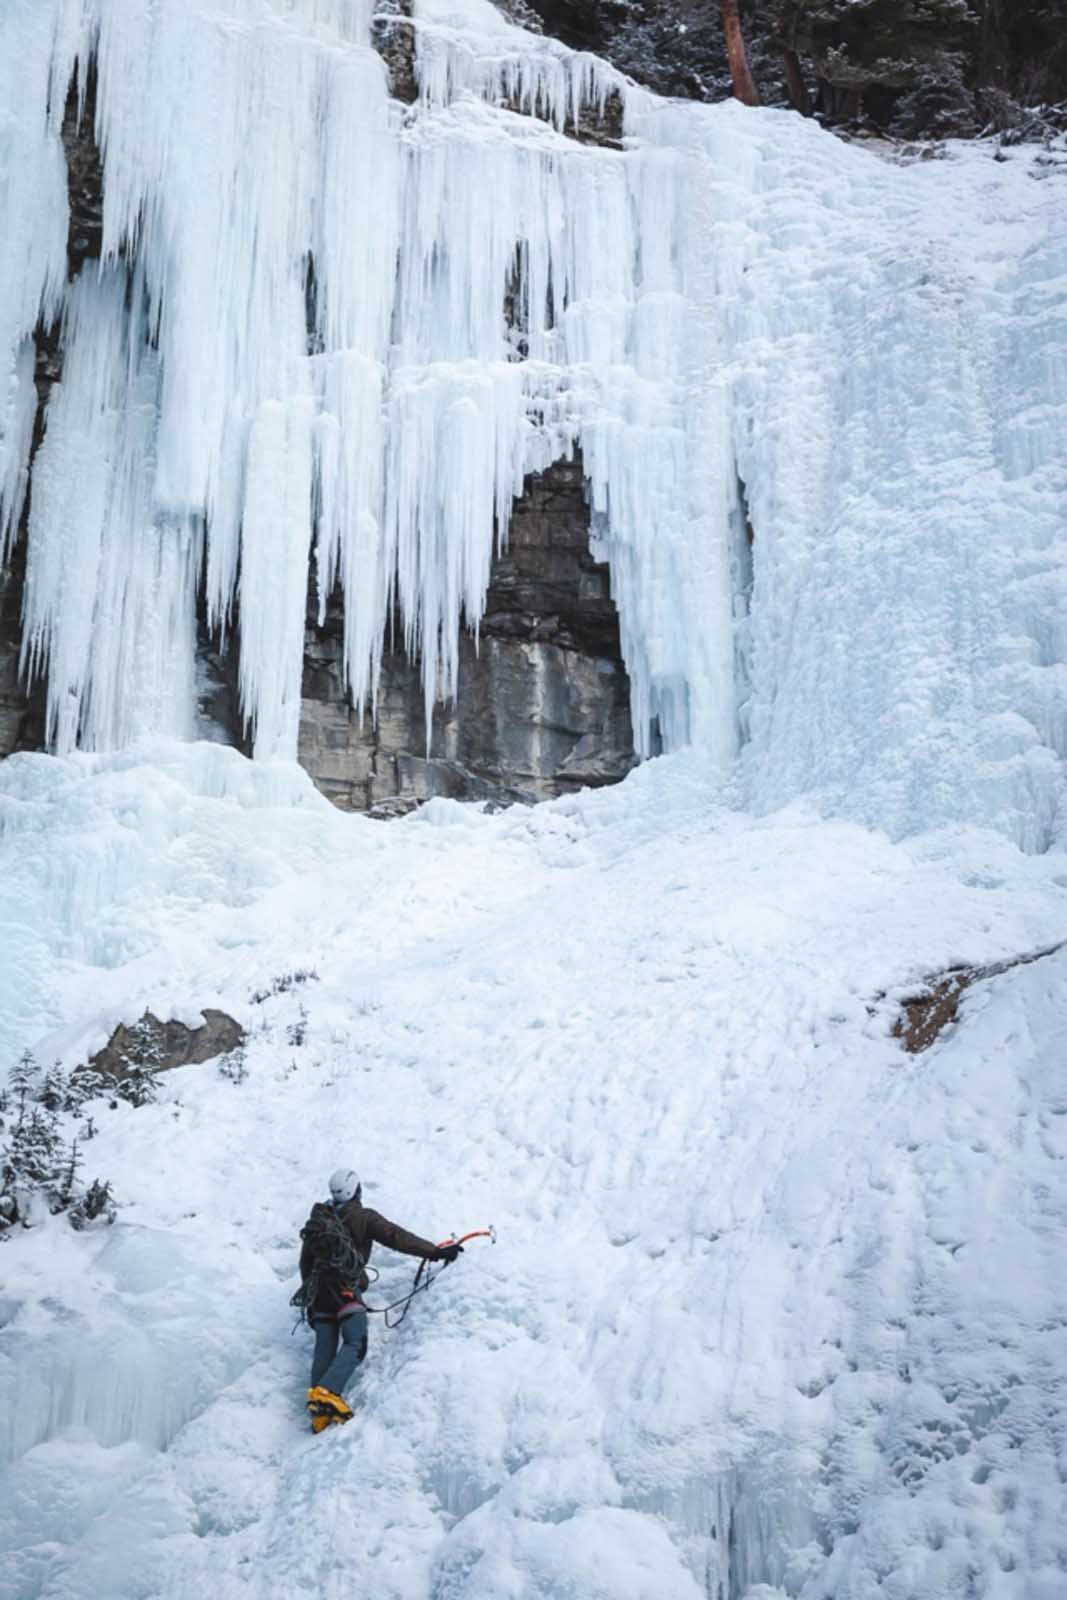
x=155, y=1046
x=542, y=704
x=21, y=712
x=394, y=40
x=85, y=175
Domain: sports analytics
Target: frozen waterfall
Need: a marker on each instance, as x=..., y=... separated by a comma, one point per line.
x=779, y=1309
x=296, y=345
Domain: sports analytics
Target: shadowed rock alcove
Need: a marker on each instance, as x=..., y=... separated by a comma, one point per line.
x=543, y=701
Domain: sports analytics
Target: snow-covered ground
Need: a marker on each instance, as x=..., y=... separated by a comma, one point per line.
x=773, y=1302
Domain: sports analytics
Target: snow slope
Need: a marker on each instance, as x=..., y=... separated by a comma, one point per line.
x=773, y=1303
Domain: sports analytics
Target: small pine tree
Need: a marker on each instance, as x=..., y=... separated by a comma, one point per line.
x=25, y=1078
x=97, y=1201
x=37, y=1160
x=53, y=1091
x=138, y=1085
x=90, y=1083
x=144, y=1046
x=28, y=1161
x=38, y=1146
x=64, y=1191
x=233, y=1066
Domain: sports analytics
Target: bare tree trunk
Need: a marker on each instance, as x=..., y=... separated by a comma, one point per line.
x=744, y=87
x=798, y=89
x=991, y=55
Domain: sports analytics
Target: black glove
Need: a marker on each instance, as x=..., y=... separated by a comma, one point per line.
x=447, y=1252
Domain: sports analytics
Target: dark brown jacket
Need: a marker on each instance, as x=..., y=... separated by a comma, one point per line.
x=369, y=1228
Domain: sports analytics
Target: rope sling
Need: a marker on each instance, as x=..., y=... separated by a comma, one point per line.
x=333, y=1251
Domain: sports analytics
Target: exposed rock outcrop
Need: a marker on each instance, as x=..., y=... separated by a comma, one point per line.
x=21, y=709
x=151, y=1045
x=542, y=703
x=926, y=1015
x=394, y=40
x=85, y=175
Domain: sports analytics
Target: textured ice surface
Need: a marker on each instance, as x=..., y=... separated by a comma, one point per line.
x=773, y=1303
x=747, y=326
x=776, y=1310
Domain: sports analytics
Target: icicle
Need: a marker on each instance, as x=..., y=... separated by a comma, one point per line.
x=275, y=539
x=475, y=52
x=17, y=412
x=232, y=158
x=109, y=603
x=40, y=43
x=350, y=542
x=38, y=50
x=455, y=464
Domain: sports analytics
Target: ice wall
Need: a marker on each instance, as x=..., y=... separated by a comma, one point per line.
x=328, y=326
x=314, y=354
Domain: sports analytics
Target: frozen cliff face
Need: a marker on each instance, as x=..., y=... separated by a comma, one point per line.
x=830, y=515
x=777, y=1310
x=544, y=709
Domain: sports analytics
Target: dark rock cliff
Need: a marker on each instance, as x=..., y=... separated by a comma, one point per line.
x=542, y=703
x=21, y=710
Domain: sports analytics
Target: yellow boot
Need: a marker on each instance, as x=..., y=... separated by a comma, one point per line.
x=323, y=1402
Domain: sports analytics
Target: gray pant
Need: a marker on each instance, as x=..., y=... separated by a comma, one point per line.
x=332, y=1367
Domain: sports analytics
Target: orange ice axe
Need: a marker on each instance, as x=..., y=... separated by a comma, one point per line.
x=478, y=1233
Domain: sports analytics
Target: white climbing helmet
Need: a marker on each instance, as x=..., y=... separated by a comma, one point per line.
x=344, y=1185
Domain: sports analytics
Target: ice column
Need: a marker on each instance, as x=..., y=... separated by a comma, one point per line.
x=110, y=587
x=35, y=63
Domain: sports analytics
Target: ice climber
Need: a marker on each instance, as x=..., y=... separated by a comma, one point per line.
x=337, y=1241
